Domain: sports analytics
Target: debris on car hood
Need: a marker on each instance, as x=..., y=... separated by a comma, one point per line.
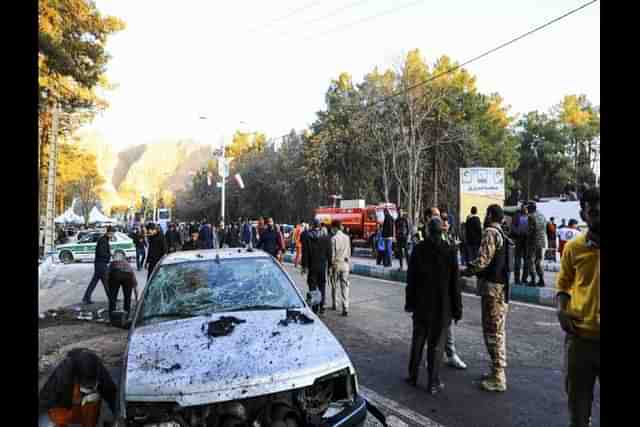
x=253, y=360
x=221, y=327
x=295, y=316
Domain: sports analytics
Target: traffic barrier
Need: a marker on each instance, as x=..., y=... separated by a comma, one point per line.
x=533, y=295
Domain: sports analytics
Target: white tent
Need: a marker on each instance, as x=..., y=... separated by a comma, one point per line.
x=69, y=217
x=96, y=216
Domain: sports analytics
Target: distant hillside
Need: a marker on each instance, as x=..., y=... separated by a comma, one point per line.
x=143, y=169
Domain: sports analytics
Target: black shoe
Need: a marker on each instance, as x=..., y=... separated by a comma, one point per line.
x=345, y=313
x=411, y=381
x=540, y=284
x=435, y=388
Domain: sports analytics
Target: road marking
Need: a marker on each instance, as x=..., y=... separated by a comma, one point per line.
x=400, y=415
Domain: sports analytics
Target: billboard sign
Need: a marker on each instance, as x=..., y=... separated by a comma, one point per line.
x=480, y=187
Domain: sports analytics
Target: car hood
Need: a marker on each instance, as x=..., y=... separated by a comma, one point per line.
x=176, y=361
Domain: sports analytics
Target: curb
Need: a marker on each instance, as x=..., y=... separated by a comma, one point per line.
x=548, y=266
x=540, y=296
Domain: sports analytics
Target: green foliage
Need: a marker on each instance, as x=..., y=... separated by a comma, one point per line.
x=374, y=141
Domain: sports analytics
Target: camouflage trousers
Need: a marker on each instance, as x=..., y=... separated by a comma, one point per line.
x=494, y=315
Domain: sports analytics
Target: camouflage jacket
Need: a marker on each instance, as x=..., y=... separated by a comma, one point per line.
x=491, y=242
x=537, y=235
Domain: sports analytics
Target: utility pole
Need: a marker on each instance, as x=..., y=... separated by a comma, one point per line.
x=49, y=237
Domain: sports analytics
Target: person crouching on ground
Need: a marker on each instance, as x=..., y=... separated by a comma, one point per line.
x=434, y=297
x=121, y=275
x=73, y=393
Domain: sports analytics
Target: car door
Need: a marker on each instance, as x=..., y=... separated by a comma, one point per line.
x=85, y=249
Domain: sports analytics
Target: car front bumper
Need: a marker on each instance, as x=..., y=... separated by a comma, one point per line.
x=353, y=416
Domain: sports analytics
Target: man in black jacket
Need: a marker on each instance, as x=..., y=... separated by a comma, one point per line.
x=473, y=233
x=388, y=233
x=157, y=248
x=173, y=238
x=402, y=231
x=100, y=265
x=140, y=241
x=316, y=261
x=194, y=244
x=269, y=239
x=434, y=297
x=73, y=393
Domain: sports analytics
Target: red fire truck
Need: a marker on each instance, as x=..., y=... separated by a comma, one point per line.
x=360, y=220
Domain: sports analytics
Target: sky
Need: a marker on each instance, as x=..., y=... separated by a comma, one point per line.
x=266, y=65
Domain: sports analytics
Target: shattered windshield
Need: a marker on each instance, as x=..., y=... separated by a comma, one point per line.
x=204, y=287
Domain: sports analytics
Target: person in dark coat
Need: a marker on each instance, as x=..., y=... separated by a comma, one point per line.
x=269, y=239
x=473, y=234
x=194, y=244
x=388, y=233
x=141, y=247
x=157, y=248
x=304, y=245
x=73, y=393
x=100, y=264
x=206, y=235
x=434, y=297
x=173, y=238
x=317, y=260
x=402, y=244
x=247, y=234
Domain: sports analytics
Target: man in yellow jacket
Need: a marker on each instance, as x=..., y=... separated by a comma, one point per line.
x=578, y=304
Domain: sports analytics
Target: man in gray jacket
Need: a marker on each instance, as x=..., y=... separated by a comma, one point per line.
x=340, y=255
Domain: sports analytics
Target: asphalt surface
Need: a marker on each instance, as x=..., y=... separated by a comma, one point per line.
x=377, y=337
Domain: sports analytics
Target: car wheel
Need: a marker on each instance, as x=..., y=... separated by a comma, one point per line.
x=66, y=257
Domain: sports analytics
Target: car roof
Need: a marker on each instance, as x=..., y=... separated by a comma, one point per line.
x=211, y=254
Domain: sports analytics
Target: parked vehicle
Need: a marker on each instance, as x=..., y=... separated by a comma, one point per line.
x=360, y=219
x=223, y=337
x=84, y=249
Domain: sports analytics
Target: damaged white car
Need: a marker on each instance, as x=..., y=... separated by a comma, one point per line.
x=224, y=338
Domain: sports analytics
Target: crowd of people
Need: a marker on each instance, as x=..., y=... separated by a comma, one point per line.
x=490, y=249
x=433, y=293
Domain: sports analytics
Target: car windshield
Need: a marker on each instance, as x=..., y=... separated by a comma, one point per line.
x=203, y=287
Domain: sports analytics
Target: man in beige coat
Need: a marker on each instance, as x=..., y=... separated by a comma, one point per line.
x=340, y=255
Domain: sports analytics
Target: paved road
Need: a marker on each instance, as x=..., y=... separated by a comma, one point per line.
x=64, y=285
x=377, y=336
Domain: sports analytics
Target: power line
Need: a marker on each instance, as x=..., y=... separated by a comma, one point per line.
x=482, y=55
x=366, y=19
x=331, y=14
x=288, y=15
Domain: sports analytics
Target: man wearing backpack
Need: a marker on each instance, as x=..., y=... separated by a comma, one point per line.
x=492, y=269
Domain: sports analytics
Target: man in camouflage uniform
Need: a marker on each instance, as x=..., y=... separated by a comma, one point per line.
x=490, y=268
x=536, y=239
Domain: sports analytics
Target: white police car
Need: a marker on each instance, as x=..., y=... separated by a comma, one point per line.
x=85, y=248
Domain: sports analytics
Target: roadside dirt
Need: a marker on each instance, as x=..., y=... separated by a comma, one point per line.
x=61, y=331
